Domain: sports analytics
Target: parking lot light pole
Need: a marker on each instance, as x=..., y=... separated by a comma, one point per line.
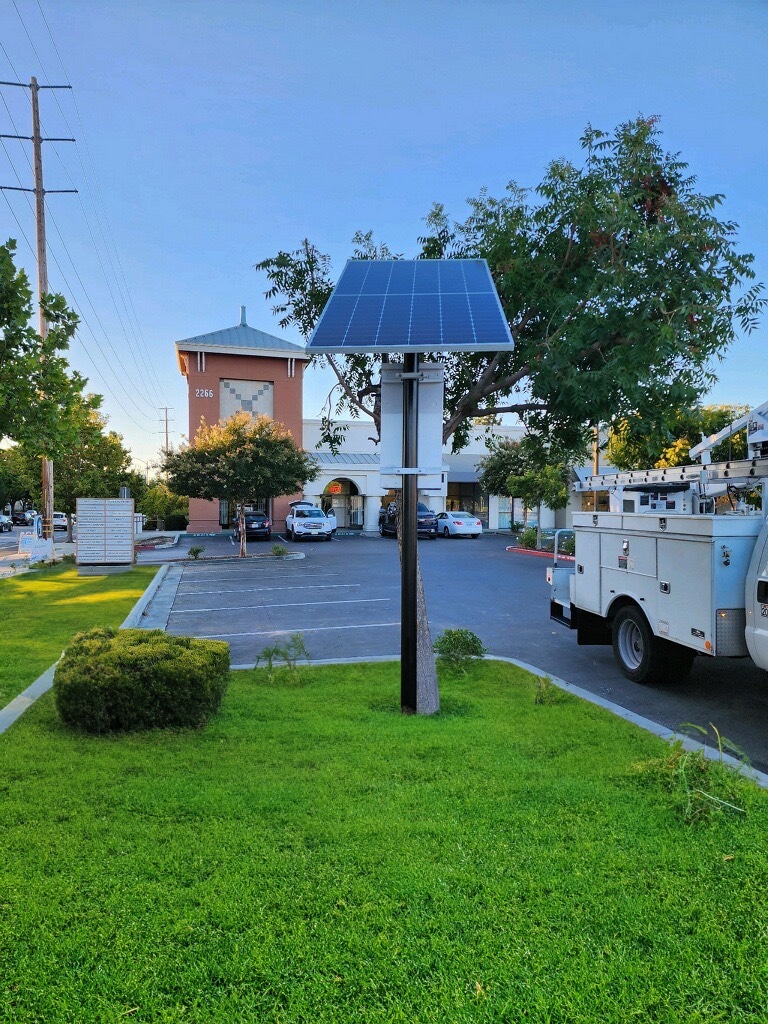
x=408, y=530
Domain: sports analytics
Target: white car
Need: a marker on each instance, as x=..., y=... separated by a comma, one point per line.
x=459, y=524
x=5, y=524
x=59, y=520
x=306, y=520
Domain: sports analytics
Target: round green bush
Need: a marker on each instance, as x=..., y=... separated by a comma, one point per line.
x=121, y=681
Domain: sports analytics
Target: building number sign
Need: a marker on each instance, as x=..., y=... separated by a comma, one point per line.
x=203, y=392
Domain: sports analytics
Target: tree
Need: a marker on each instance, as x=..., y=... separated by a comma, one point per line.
x=620, y=285
x=159, y=502
x=636, y=444
x=503, y=461
x=15, y=483
x=37, y=389
x=242, y=459
x=545, y=484
x=97, y=466
x=528, y=469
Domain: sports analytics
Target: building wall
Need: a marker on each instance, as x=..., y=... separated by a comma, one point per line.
x=214, y=381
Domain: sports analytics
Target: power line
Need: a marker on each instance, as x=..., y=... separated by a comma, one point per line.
x=154, y=385
x=139, y=338
x=42, y=251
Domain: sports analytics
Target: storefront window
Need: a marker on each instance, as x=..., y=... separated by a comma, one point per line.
x=467, y=497
x=588, y=501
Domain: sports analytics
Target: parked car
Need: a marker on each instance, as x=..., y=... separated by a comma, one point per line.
x=426, y=520
x=6, y=524
x=305, y=520
x=59, y=520
x=23, y=518
x=459, y=524
x=257, y=524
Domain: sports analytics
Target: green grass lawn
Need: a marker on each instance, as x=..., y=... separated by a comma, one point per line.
x=42, y=611
x=313, y=856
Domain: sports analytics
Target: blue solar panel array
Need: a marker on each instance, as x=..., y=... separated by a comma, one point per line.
x=412, y=306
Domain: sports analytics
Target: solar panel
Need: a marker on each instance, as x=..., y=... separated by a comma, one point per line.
x=412, y=306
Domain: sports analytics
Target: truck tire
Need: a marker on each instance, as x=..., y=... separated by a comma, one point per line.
x=638, y=653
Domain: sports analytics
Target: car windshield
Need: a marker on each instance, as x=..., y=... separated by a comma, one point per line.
x=462, y=515
x=309, y=513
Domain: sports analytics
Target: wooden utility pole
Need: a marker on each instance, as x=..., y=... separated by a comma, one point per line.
x=42, y=259
x=42, y=287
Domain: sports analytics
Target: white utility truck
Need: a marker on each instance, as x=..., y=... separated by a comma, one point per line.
x=678, y=566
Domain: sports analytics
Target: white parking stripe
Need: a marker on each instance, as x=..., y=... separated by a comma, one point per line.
x=311, y=629
x=258, y=590
x=291, y=604
x=275, y=576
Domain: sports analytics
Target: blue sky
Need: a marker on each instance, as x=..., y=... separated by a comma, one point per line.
x=212, y=135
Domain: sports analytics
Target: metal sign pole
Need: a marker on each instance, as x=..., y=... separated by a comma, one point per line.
x=408, y=532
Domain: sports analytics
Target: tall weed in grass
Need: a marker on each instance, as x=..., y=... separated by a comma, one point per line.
x=313, y=857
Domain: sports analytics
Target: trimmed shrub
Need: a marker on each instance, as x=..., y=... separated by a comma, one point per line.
x=175, y=523
x=121, y=681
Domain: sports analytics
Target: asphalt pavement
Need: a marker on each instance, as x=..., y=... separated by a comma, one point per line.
x=344, y=597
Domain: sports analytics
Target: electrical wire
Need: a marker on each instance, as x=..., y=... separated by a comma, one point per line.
x=138, y=337
x=78, y=308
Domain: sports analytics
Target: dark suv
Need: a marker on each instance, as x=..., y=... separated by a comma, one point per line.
x=427, y=520
x=257, y=524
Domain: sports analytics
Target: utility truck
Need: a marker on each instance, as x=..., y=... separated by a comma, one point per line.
x=678, y=566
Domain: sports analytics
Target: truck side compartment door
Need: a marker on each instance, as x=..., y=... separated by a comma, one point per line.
x=756, y=601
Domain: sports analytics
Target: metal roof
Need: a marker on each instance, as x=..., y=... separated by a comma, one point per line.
x=242, y=339
x=346, y=459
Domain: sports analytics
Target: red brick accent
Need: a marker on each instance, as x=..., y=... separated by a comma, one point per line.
x=287, y=409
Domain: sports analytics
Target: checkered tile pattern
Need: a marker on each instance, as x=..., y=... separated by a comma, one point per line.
x=252, y=396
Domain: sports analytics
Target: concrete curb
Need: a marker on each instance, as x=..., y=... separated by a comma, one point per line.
x=644, y=723
x=132, y=619
x=19, y=705
x=43, y=683
x=540, y=554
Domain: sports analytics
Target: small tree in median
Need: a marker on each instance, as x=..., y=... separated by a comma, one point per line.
x=242, y=459
x=541, y=478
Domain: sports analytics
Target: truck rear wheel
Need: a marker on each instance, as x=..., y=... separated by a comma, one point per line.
x=637, y=651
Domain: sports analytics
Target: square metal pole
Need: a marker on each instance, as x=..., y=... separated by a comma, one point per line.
x=408, y=535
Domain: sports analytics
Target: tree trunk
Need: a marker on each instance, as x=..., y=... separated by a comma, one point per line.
x=538, y=526
x=241, y=521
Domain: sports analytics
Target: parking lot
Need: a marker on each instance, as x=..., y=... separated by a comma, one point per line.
x=344, y=598
x=253, y=603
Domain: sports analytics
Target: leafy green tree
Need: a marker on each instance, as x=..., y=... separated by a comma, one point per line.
x=37, y=389
x=97, y=465
x=242, y=459
x=16, y=486
x=620, y=284
x=504, y=460
x=159, y=502
x=530, y=470
x=638, y=444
